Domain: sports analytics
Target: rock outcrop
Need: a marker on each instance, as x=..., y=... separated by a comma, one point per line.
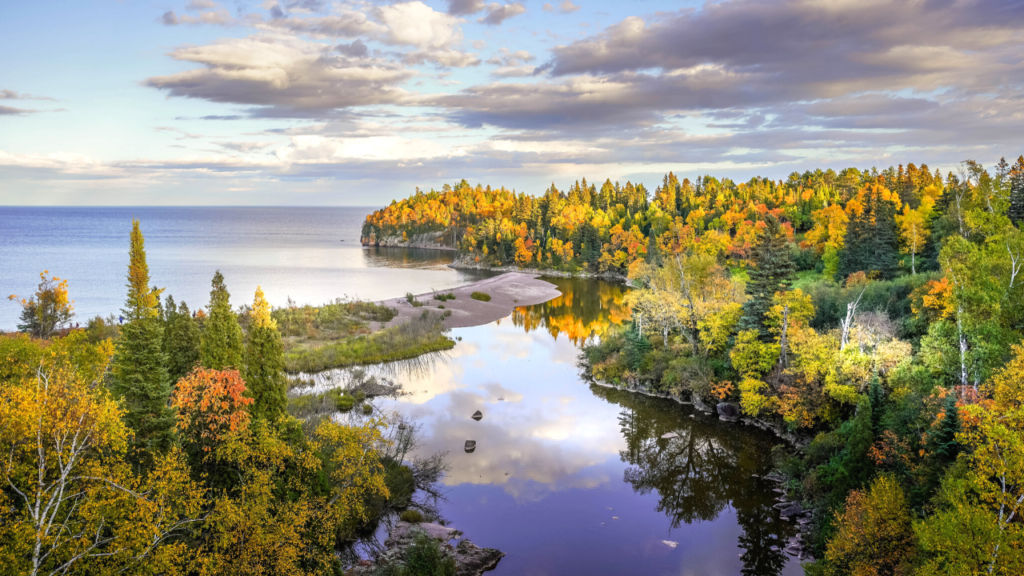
x=470, y=559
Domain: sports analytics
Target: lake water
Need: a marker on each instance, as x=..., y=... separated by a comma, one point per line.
x=309, y=254
x=567, y=477
x=572, y=478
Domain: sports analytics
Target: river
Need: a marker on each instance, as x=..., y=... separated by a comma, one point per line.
x=573, y=478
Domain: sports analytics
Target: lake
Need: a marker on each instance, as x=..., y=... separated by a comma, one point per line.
x=311, y=255
x=567, y=477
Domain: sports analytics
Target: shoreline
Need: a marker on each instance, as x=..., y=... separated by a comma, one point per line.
x=507, y=291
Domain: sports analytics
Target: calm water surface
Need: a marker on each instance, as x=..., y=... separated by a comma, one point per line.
x=309, y=254
x=571, y=478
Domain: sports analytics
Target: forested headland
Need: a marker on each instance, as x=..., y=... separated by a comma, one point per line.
x=163, y=441
x=878, y=315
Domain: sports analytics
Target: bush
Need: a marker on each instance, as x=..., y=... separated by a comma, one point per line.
x=412, y=516
x=367, y=409
x=444, y=297
x=426, y=558
x=481, y=296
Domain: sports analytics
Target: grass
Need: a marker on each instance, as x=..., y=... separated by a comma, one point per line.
x=481, y=296
x=412, y=516
x=418, y=336
x=323, y=403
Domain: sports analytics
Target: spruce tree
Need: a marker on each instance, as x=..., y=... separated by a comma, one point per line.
x=264, y=363
x=181, y=340
x=221, y=343
x=852, y=256
x=139, y=367
x=773, y=270
x=885, y=240
x=1016, y=211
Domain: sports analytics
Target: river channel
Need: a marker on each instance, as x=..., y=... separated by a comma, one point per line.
x=573, y=478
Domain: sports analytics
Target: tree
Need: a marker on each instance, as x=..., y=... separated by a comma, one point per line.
x=49, y=310
x=264, y=363
x=181, y=340
x=914, y=232
x=70, y=504
x=211, y=406
x=874, y=534
x=773, y=271
x=221, y=344
x=1016, y=210
x=139, y=376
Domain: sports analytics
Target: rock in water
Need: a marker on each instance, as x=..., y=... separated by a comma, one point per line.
x=470, y=446
x=794, y=510
x=728, y=412
x=477, y=415
x=670, y=543
x=670, y=435
x=472, y=560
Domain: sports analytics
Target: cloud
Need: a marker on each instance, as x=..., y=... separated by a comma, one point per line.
x=12, y=95
x=282, y=72
x=512, y=64
x=416, y=24
x=354, y=49
x=244, y=146
x=565, y=7
x=498, y=13
x=444, y=57
x=11, y=111
x=214, y=14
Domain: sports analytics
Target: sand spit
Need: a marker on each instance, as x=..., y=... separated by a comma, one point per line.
x=506, y=291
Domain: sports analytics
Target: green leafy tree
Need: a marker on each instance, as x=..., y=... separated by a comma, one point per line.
x=221, y=345
x=181, y=340
x=1016, y=210
x=773, y=271
x=264, y=363
x=139, y=367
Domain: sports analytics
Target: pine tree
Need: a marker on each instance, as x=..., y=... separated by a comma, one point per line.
x=876, y=395
x=1016, y=211
x=885, y=239
x=181, y=340
x=264, y=363
x=942, y=442
x=139, y=368
x=221, y=343
x=852, y=256
x=773, y=271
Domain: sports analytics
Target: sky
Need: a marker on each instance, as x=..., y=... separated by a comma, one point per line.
x=313, y=102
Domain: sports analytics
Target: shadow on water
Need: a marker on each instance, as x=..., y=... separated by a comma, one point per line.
x=706, y=468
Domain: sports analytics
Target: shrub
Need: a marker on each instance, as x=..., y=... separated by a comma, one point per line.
x=426, y=558
x=412, y=516
x=367, y=409
x=481, y=296
x=444, y=297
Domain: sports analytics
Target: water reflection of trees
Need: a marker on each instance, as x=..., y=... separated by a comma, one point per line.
x=697, y=474
x=586, y=308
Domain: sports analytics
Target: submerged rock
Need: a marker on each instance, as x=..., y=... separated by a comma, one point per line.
x=477, y=415
x=728, y=412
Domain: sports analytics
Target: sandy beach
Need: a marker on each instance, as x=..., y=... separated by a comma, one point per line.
x=506, y=291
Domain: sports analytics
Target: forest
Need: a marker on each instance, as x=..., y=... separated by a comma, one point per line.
x=875, y=317
x=164, y=441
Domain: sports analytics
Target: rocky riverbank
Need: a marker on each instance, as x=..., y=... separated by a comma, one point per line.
x=470, y=559
x=428, y=241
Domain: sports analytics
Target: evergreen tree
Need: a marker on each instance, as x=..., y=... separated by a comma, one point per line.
x=1016, y=211
x=942, y=442
x=885, y=239
x=181, y=340
x=773, y=270
x=221, y=343
x=139, y=366
x=264, y=363
x=876, y=395
x=854, y=253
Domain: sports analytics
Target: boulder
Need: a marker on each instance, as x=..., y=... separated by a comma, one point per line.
x=670, y=543
x=794, y=510
x=728, y=411
x=477, y=415
x=782, y=505
x=470, y=446
x=472, y=560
